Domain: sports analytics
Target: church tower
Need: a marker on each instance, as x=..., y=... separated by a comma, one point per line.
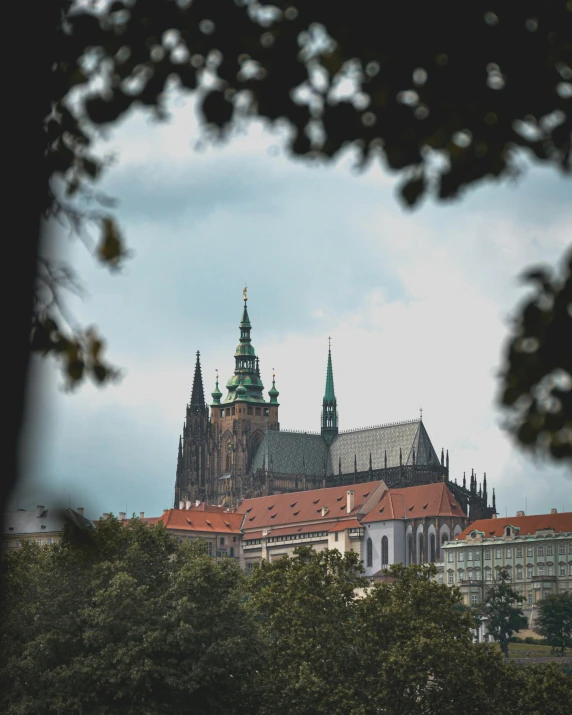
x=329, y=404
x=192, y=475
x=240, y=421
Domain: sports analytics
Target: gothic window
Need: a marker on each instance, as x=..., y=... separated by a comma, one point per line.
x=384, y=551
x=432, y=548
x=369, y=553
x=228, y=462
x=410, y=549
x=444, y=539
x=420, y=549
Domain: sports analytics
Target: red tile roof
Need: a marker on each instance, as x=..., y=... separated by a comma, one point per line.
x=216, y=521
x=415, y=502
x=289, y=530
x=527, y=524
x=343, y=525
x=297, y=507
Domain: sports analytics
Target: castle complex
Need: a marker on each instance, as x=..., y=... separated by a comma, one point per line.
x=236, y=450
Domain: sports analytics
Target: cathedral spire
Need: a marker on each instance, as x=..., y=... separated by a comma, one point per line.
x=329, y=404
x=198, y=394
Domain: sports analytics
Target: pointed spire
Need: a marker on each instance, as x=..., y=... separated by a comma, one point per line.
x=385, y=457
x=198, y=394
x=340, y=464
x=442, y=457
x=355, y=463
x=464, y=481
x=329, y=404
x=485, y=496
x=494, y=502
x=400, y=457
x=413, y=455
x=370, y=467
x=447, y=460
x=180, y=447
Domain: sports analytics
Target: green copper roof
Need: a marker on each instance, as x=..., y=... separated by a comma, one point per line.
x=329, y=395
x=273, y=392
x=245, y=385
x=216, y=393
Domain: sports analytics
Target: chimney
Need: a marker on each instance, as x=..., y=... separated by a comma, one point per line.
x=554, y=511
x=197, y=502
x=350, y=501
x=520, y=513
x=79, y=510
x=325, y=510
x=181, y=505
x=105, y=515
x=188, y=504
x=141, y=514
x=40, y=510
x=494, y=515
x=122, y=515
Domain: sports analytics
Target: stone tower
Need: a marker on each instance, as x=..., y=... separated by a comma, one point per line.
x=239, y=421
x=192, y=480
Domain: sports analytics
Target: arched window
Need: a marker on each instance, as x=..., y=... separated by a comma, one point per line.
x=369, y=557
x=420, y=548
x=384, y=552
x=410, y=549
x=432, y=548
x=444, y=538
x=228, y=462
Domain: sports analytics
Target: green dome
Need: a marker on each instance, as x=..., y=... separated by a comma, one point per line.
x=273, y=392
x=241, y=390
x=216, y=393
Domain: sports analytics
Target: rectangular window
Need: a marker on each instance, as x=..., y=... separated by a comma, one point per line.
x=530, y=598
x=519, y=573
x=508, y=552
x=440, y=578
x=221, y=541
x=470, y=556
x=450, y=577
x=549, y=550
x=540, y=550
x=529, y=551
x=487, y=554
x=474, y=599
x=49, y=540
x=210, y=548
x=17, y=543
x=561, y=549
x=570, y=569
x=498, y=554
x=450, y=557
x=233, y=411
x=550, y=570
x=336, y=536
x=477, y=555
x=570, y=548
x=529, y=572
x=563, y=570
x=232, y=551
x=519, y=552
x=39, y=542
x=461, y=557
x=258, y=410
x=540, y=569
x=487, y=574
x=234, y=539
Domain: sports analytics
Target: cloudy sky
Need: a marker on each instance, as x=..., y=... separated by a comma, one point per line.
x=417, y=304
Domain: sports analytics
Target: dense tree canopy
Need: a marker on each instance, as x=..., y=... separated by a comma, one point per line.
x=129, y=620
x=502, y=610
x=554, y=620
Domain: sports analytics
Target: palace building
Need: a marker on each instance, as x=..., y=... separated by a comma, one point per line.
x=234, y=449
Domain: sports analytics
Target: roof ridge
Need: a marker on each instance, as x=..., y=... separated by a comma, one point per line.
x=384, y=424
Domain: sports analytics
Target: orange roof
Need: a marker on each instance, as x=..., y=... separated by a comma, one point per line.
x=296, y=507
x=415, y=502
x=289, y=530
x=215, y=521
x=526, y=524
x=343, y=525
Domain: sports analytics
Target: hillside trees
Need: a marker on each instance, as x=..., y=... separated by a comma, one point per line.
x=502, y=610
x=554, y=620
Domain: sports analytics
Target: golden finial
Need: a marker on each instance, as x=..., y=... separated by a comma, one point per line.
x=244, y=293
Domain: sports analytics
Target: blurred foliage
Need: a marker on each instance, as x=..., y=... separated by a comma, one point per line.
x=446, y=94
x=537, y=379
x=130, y=620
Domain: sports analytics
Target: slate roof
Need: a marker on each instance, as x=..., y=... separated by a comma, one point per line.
x=305, y=453
x=377, y=440
x=42, y=520
x=292, y=453
x=561, y=522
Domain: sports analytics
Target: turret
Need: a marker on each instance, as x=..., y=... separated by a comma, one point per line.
x=216, y=393
x=329, y=404
x=273, y=392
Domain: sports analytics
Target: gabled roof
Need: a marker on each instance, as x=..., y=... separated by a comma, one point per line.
x=407, y=436
x=219, y=522
x=292, y=453
x=526, y=524
x=416, y=502
x=41, y=520
x=299, y=507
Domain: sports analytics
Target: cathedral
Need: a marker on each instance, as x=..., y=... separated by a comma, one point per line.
x=236, y=449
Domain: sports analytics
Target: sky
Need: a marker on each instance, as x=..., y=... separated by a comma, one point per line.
x=417, y=304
